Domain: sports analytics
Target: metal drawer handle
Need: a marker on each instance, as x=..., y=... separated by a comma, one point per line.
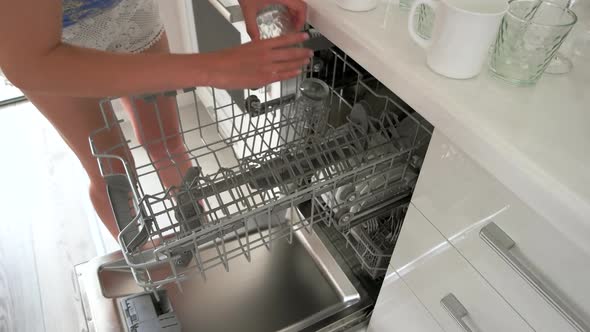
x=502, y=244
x=456, y=310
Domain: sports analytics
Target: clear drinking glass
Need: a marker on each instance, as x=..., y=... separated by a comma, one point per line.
x=561, y=64
x=311, y=105
x=529, y=37
x=274, y=21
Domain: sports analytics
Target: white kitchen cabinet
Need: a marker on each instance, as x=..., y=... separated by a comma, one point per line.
x=398, y=309
x=460, y=199
x=436, y=272
x=417, y=240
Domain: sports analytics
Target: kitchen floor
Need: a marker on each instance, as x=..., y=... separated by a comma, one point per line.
x=48, y=225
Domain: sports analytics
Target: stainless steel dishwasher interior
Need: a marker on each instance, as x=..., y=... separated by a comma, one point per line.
x=286, y=289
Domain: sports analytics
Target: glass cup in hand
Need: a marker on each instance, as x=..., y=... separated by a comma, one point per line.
x=274, y=21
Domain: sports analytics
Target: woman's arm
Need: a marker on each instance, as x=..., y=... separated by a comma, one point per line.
x=34, y=59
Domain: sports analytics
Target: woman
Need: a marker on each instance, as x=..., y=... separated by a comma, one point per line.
x=66, y=55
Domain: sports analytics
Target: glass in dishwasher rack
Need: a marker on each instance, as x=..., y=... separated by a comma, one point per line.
x=250, y=170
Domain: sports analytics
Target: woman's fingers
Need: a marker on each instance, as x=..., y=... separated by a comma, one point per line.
x=292, y=53
x=252, y=30
x=298, y=10
x=260, y=62
x=286, y=40
x=251, y=25
x=286, y=66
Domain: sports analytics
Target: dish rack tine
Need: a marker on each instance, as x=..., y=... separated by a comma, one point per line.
x=175, y=275
x=246, y=251
x=198, y=260
x=222, y=254
x=270, y=232
x=240, y=245
x=308, y=226
x=291, y=225
x=260, y=233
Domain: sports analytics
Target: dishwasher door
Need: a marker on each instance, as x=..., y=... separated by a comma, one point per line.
x=288, y=289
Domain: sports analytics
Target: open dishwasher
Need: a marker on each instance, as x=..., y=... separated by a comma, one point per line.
x=276, y=226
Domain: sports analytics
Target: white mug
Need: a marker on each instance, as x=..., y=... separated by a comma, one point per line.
x=462, y=33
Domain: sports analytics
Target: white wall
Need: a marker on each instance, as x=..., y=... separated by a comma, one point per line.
x=179, y=21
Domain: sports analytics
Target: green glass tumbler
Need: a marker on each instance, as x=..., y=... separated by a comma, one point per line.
x=530, y=35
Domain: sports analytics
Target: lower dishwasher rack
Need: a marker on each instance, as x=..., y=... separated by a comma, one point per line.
x=256, y=166
x=374, y=239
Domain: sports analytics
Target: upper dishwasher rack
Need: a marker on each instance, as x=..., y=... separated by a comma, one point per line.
x=254, y=172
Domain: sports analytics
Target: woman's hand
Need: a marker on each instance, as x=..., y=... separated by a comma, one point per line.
x=250, y=8
x=257, y=63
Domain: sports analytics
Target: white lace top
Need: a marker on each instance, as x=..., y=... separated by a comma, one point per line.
x=126, y=26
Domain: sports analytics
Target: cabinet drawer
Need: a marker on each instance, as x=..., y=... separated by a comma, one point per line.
x=398, y=309
x=441, y=275
x=461, y=199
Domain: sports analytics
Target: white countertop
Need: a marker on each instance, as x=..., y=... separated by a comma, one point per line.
x=535, y=140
